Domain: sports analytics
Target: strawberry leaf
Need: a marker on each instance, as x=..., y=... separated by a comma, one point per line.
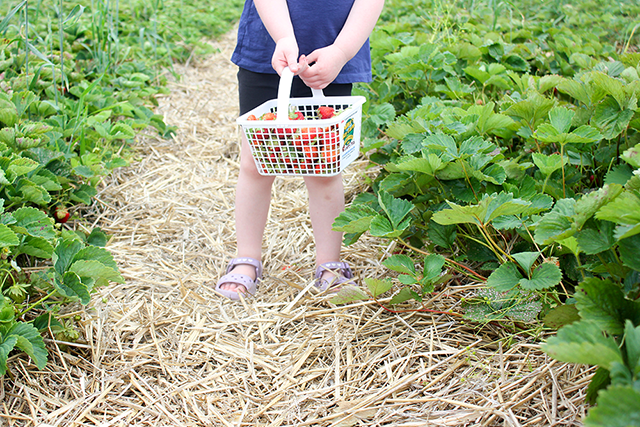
x=544, y=276
x=378, y=287
x=617, y=406
x=396, y=209
x=6, y=345
x=401, y=264
x=404, y=295
x=583, y=342
x=347, y=294
x=504, y=278
x=30, y=341
x=603, y=303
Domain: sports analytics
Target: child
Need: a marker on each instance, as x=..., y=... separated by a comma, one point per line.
x=326, y=45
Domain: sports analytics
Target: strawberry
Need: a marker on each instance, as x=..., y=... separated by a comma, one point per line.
x=252, y=117
x=268, y=116
x=326, y=112
x=61, y=214
x=311, y=152
x=308, y=134
x=296, y=115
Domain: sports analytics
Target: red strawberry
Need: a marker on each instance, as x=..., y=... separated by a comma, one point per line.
x=268, y=116
x=326, y=112
x=296, y=115
x=252, y=117
x=61, y=214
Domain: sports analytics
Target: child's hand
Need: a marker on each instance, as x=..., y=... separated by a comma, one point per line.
x=286, y=55
x=326, y=63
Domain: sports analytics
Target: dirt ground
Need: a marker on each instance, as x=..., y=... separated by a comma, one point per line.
x=164, y=349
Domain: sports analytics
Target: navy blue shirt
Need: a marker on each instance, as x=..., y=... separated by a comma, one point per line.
x=315, y=24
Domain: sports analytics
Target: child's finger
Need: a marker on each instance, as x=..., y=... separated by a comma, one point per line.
x=302, y=65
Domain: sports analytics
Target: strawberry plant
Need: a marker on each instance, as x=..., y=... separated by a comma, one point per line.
x=509, y=148
x=78, y=85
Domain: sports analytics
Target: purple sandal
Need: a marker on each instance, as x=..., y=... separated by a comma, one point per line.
x=342, y=272
x=241, y=279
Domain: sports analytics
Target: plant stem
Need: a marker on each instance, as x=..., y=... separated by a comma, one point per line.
x=30, y=307
x=473, y=273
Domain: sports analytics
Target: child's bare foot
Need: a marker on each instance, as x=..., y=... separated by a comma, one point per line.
x=242, y=277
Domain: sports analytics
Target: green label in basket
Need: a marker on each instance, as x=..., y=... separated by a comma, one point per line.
x=349, y=128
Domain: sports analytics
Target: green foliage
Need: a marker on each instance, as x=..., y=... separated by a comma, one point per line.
x=507, y=137
x=79, y=83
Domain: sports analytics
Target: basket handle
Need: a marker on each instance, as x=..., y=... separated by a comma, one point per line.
x=284, y=90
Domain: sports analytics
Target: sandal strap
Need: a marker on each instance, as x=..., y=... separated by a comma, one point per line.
x=343, y=269
x=247, y=261
x=250, y=284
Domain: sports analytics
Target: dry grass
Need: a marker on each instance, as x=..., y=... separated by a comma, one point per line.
x=165, y=350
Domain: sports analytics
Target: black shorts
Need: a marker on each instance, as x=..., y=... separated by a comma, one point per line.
x=255, y=89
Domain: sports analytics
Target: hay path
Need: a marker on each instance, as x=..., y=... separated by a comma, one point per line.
x=165, y=350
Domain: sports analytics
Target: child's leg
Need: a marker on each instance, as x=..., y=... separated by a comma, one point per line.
x=326, y=202
x=253, y=197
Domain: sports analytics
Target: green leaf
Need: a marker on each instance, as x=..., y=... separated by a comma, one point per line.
x=33, y=222
x=348, y=294
x=593, y=241
x=97, y=238
x=618, y=406
x=583, y=342
x=515, y=62
x=619, y=174
x=490, y=207
x=429, y=165
x=30, y=341
x=504, y=278
x=382, y=114
x=433, y=264
x=21, y=166
x=406, y=279
x=7, y=237
x=526, y=259
x=632, y=156
x=378, y=287
x=35, y=246
x=64, y=253
x=591, y=203
x=83, y=194
x=381, y=227
x=532, y=109
x=95, y=270
x=7, y=311
x=603, y=303
x=355, y=219
x=600, y=380
x=6, y=345
x=611, y=118
x=121, y=131
x=442, y=235
x=396, y=209
x=401, y=264
x=557, y=224
x=623, y=210
x=561, y=315
x=629, y=249
x=548, y=164
x=561, y=118
x=632, y=345
x=404, y=295
x=94, y=253
x=71, y=286
x=544, y=276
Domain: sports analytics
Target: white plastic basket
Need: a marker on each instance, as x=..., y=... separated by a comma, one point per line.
x=310, y=146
